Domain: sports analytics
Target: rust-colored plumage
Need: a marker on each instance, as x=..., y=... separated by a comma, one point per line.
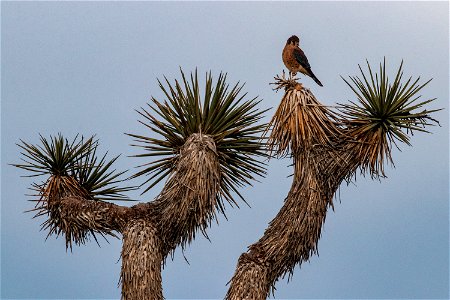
x=295, y=59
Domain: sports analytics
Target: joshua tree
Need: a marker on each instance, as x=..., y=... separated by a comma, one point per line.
x=327, y=147
x=208, y=147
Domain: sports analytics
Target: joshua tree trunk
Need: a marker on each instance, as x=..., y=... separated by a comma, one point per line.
x=187, y=203
x=141, y=261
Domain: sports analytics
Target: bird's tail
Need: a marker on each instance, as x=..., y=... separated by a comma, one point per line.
x=314, y=77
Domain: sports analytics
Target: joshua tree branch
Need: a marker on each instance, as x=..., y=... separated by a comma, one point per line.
x=291, y=237
x=327, y=148
x=89, y=215
x=76, y=216
x=312, y=134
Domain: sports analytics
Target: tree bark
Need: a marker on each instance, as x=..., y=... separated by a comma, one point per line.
x=76, y=218
x=290, y=238
x=142, y=258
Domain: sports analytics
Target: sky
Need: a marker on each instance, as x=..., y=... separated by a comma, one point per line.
x=84, y=67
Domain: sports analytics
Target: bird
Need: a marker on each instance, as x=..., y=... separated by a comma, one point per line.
x=295, y=59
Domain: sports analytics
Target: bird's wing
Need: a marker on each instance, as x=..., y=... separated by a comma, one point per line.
x=301, y=58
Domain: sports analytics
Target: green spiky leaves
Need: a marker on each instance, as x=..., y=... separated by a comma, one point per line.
x=56, y=156
x=73, y=169
x=384, y=113
x=220, y=112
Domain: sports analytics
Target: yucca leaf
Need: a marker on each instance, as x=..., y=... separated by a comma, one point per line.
x=382, y=111
x=220, y=112
x=56, y=157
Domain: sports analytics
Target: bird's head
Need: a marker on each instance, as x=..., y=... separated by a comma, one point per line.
x=293, y=40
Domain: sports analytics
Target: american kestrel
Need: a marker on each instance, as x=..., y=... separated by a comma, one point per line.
x=295, y=59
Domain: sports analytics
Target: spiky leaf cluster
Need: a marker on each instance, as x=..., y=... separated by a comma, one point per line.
x=220, y=112
x=384, y=113
x=72, y=168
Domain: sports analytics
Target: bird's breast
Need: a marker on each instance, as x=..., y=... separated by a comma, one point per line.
x=289, y=59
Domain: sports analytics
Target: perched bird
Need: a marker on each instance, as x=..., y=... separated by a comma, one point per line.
x=295, y=59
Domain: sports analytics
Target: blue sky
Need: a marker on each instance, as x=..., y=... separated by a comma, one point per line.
x=85, y=67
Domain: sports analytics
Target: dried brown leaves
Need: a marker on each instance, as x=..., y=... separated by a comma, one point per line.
x=300, y=121
x=73, y=214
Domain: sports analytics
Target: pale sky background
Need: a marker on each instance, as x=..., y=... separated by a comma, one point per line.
x=84, y=68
